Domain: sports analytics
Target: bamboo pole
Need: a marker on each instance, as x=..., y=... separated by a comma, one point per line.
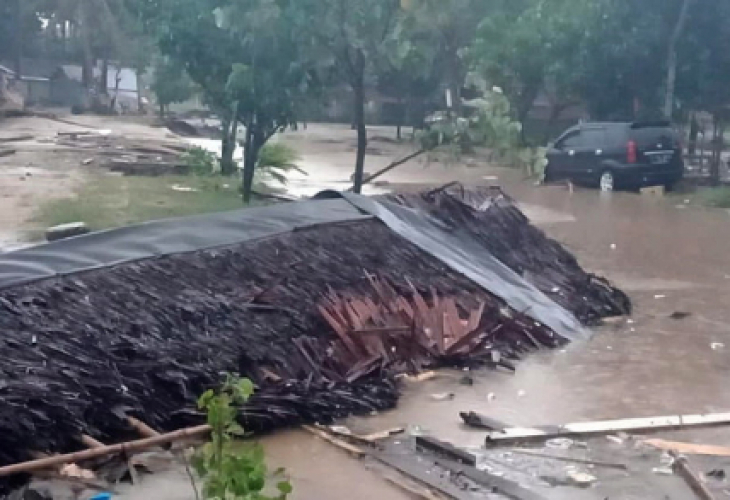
x=90, y=442
x=128, y=447
x=142, y=428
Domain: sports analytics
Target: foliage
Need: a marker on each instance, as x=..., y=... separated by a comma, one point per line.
x=444, y=29
x=275, y=161
x=718, y=197
x=200, y=161
x=231, y=471
x=352, y=38
x=490, y=125
x=170, y=82
x=246, y=58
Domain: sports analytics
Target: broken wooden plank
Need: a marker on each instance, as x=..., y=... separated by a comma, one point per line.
x=445, y=449
x=130, y=446
x=498, y=484
x=417, y=492
x=636, y=425
x=479, y=421
x=380, y=435
x=584, y=461
x=16, y=138
x=343, y=445
x=7, y=152
x=688, y=448
x=681, y=467
x=421, y=377
x=417, y=471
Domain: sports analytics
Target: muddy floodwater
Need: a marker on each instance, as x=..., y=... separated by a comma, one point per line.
x=669, y=258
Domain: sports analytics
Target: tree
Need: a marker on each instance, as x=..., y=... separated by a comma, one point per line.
x=409, y=75
x=450, y=27
x=246, y=59
x=170, y=83
x=672, y=57
x=353, y=36
x=705, y=70
x=20, y=29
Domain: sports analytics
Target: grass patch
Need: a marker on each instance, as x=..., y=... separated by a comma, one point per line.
x=111, y=201
x=714, y=197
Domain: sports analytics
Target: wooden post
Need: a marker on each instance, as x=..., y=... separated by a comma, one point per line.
x=128, y=447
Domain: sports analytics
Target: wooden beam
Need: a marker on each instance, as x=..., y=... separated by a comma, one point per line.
x=635, y=425
x=498, y=484
x=90, y=442
x=128, y=447
x=682, y=468
x=343, y=445
x=419, y=472
x=479, y=421
x=688, y=448
x=445, y=450
x=595, y=463
x=142, y=428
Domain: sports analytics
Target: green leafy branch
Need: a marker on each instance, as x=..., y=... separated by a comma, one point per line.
x=232, y=470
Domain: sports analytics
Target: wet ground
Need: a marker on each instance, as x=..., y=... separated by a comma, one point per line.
x=668, y=256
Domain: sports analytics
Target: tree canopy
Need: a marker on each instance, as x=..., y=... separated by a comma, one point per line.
x=257, y=61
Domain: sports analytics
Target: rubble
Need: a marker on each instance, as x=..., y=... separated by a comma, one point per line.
x=322, y=319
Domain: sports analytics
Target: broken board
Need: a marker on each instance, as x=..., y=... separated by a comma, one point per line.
x=637, y=425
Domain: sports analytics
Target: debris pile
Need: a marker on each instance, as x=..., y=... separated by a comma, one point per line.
x=321, y=318
x=505, y=232
x=387, y=330
x=147, y=337
x=127, y=156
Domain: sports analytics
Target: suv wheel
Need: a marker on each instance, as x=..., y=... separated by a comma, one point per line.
x=607, y=182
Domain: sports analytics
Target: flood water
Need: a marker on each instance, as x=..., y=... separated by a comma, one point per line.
x=669, y=257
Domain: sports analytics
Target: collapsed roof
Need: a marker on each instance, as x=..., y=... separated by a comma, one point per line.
x=141, y=320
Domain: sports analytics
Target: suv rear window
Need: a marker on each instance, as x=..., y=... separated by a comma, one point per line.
x=651, y=136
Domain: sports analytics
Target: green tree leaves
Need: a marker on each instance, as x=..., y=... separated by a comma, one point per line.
x=231, y=469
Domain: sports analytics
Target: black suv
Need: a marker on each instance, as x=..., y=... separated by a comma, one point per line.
x=617, y=155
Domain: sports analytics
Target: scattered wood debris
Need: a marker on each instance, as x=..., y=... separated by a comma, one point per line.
x=410, y=333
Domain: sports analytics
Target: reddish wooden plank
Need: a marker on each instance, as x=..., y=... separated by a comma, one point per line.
x=340, y=332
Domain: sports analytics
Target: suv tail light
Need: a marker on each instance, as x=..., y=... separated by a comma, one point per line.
x=631, y=156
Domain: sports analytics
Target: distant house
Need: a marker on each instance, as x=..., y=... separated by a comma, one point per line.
x=52, y=83
x=33, y=87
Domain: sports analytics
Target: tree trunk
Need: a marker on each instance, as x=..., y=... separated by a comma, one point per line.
x=18, y=52
x=400, y=116
x=717, y=147
x=672, y=58
x=694, y=132
x=104, y=79
x=87, y=69
x=162, y=110
x=556, y=110
x=254, y=142
x=358, y=86
x=228, y=142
